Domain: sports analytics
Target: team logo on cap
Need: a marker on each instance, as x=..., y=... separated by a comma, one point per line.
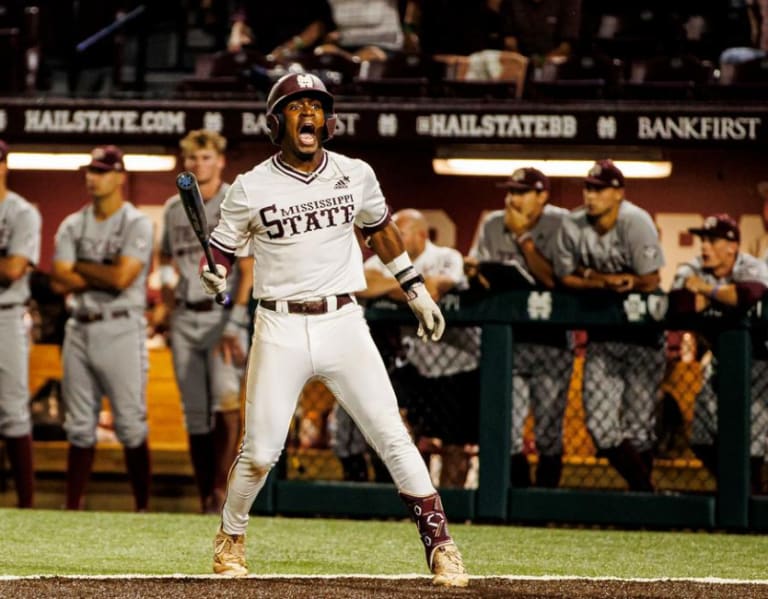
x=595, y=171
x=98, y=154
x=305, y=81
x=710, y=222
x=519, y=175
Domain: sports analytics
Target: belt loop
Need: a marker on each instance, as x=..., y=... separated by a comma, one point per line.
x=331, y=304
x=281, y=306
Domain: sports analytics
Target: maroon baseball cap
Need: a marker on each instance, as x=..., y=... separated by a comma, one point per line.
x=107, y=158
x=3, y=150
x=526, y=179
x=604, y=173
x=718, y=225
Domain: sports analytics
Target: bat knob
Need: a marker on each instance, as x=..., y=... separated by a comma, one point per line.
x=185, y=180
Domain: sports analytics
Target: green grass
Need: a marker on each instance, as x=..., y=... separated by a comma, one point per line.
x=58, y=542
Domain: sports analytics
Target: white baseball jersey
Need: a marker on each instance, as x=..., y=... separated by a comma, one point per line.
x=300, y=225
x=459, y=349
x=19, y=236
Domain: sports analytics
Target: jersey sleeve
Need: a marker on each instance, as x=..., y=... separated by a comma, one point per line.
x=565, y=256
x=232, y=232
x=138, y=240
x=452, y=266
x=681, y=274
x=25, y=237
x=644, y=246
x=66, y=241
x=480, y=249
x=751, y=271
x=374, y=211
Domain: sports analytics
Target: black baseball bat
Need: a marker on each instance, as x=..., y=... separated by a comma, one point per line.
x=192, y=200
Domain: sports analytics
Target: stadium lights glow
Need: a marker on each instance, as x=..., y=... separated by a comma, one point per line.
x=64, y=161
x=503, y=167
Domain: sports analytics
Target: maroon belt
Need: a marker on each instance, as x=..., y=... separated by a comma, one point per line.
x=311, y=307
x=88, y=317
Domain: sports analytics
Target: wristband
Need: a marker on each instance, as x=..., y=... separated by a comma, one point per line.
x=402, y=269
x=713, y=293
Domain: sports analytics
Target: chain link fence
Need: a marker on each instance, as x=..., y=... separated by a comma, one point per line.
x=589, y=411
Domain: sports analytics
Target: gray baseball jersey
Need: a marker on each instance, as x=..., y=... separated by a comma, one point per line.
x=104, y=350
x=495, y=243
x=179, y=242
x=540, y=371
x=623, y=369
x=207, y=384
x=704, y=427
x=19, y=236
x=631, y=246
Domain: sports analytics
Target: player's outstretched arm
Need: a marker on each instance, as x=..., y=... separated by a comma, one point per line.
x=388, y=245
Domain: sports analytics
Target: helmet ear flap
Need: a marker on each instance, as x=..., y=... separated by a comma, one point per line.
x=275, y=126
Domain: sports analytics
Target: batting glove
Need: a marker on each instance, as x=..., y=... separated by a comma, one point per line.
x=431, y=321
x=214, y=283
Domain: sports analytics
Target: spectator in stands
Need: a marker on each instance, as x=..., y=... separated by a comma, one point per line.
x=209, y=343
x=720, y=280
x=365, y=30
x=612, y=245
x=103, y=254
x=448, y=27
x=751, y=40
x=19, y=250
x=759, y=246
x=468, y=37
x=442, y=403
x=543, y=30
x=280, y=30
x=523, y=236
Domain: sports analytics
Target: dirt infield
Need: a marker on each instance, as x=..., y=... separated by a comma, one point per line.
x=357, y=588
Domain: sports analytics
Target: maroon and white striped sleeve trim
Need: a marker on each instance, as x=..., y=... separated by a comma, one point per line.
x=369, y=230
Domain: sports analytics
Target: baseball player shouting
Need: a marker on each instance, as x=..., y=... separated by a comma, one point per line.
x=612, y=244
x=525, y=233
x=298, y=210
x=19, y=250
x=103, y=253
x=208, y=343
x=722, y=278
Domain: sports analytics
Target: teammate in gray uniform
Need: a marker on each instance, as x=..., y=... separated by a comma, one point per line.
x=613, y=245
x=525, y=234
x=722, y=278
x=19, y=250
x=103, y=253
x=208, y=343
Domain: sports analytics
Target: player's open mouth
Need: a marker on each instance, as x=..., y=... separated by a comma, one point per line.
x=307, y=135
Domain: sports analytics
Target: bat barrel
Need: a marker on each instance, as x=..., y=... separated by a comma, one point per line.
x=185, y=181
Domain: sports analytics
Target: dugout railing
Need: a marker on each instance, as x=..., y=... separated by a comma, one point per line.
x=729, y=506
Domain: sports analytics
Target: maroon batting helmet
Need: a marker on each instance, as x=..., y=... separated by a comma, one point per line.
x=297, y=85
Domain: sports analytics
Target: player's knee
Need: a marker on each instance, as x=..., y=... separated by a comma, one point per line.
x=131, y=435
x=81, y=438
x=260, y=461
x=198, y=423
